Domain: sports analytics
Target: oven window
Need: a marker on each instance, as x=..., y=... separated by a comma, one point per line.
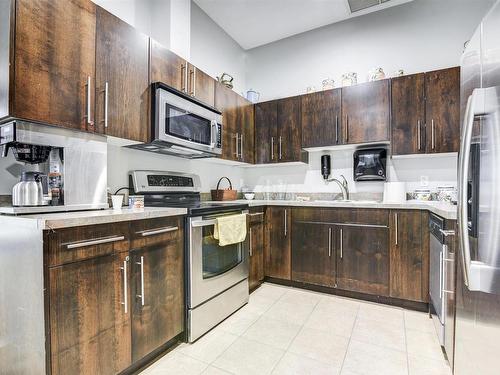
x=185, y=125
x=218, y=259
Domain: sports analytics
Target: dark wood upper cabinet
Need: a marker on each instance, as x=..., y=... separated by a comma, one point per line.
x=256, y=247
x=90, y=330
x=289, y=129
x=278, y=252
x=442, y=110
x=363, y=259
x=122, y=79
x=237, y=125
x=321, y=118
x=366, y=112
x=408, y=114
x=53, y=62
x=167, y=67
x=157, y=303
x=201, y=85
x=266, y=132
x=409, y=255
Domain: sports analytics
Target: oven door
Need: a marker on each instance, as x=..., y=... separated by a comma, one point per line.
x=213, y=268
x=182, y=122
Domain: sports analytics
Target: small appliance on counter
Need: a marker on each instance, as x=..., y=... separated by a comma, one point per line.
x=394, y=192
x=62, y=170
x=370, y=164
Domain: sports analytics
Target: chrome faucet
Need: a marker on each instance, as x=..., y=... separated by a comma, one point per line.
x=344, y=187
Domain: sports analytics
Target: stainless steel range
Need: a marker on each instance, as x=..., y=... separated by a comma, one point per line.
x=217, y=276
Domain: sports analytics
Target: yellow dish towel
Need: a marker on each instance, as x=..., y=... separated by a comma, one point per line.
x=230, y=229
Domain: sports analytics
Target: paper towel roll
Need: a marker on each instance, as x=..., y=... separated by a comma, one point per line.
x=394, y=192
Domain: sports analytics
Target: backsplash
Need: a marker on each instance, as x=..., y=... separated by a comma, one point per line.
x=436, y=170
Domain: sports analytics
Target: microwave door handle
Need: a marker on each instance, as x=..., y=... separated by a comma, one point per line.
x=213, y=129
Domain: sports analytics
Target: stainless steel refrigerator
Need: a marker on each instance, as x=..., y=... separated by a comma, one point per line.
x=477, y=331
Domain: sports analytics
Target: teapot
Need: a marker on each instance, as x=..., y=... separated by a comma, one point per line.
x=226, y=79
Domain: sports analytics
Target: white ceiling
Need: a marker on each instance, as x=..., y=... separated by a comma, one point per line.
x=253, y=23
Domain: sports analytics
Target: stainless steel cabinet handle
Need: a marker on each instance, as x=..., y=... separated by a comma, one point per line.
x=89, y=88
x=272, y=148
x=336, y=129
x=432, y=135
x=280, y=154
x=194, y=81
x=183, y=77
x=396, y=228
x=418, y=135
x=286, y=222
x=441, y=278
x=98, y=241
x=153, y=232
x=141, y=296
x=346, y=128
x=125, y=285
x=329, y=242
x=236, y=152
x=250, y=240
x=447, y=232
x=106, y=104
x=191, y=81
x=241, y=146
x=341, y=243
x=257, y=214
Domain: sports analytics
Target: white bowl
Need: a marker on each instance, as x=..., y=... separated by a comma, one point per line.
x=249, y=196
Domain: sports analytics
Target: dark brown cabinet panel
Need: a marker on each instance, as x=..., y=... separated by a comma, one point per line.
x=442, y=110
x=201, y=85
x=289, y=129
x=90, y=330
x=167, y=67
x=366, y=112
x=54, y=62
x=408, y=114
x=363, y=259
x=256, y=247
x=321, y=118
x=122, y=79
x=266, y=132
x=313, y=255
x=157, y=302
x=409, y=255
x=237, y=125
x=278, y=252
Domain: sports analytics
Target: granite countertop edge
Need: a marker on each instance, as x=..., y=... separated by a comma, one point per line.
x=92, y=217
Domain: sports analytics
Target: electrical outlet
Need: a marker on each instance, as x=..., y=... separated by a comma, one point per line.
x=424, y=180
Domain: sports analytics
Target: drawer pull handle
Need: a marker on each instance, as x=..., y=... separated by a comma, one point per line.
x=153, y=232
x=257, y=214
x=76, y=245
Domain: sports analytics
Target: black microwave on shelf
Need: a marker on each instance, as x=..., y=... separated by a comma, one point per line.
x=370, y=164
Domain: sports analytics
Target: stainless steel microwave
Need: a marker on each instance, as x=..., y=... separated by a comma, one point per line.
x=182, y=125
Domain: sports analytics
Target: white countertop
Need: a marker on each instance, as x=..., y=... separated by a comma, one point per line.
x=444, y=209
x=78, y=218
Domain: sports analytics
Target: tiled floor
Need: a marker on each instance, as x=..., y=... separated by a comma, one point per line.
x=291, y=331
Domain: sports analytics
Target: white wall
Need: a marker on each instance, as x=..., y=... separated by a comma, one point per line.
x=418, y=36
x=214, y=51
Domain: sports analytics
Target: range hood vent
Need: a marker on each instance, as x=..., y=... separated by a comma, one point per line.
x=358, y=5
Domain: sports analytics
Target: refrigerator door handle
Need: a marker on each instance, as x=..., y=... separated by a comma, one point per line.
x=477, y=105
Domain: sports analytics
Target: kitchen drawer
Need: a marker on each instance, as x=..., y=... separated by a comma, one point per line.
x=149, y=232
x=363, y=216
x=74, y=244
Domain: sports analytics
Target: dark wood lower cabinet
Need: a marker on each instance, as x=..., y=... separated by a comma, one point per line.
x=256, y=248
x=110, y=306
x=363, y=259
x=409, y=255
x=278, y=251
x=89, y=328
x=313, y=255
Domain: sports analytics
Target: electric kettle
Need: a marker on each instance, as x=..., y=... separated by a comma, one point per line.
x=28, y=191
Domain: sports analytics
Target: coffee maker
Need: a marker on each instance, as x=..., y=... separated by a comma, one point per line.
x=62, y=170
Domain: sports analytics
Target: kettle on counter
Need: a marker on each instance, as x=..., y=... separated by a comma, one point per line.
x=28, y=191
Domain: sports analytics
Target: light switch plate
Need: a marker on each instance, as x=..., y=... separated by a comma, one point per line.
x=424, y=180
